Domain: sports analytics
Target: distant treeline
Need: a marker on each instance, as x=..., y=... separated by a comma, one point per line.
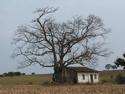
x=12, y=74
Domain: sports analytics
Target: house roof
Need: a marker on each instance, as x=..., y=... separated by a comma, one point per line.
x=83, y=69
x=113, y=71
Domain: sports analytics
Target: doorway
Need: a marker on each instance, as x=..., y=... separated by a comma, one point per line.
x=91, y=78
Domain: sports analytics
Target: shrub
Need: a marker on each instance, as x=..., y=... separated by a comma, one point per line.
x=103, y=81
x=13, y=74
x=120, y=79
x=23, y=74
x=32, y=73
x=17, y=73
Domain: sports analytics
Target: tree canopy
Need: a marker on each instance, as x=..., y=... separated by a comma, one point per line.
x=109, y=66
x=120, y=62
x=58, y=44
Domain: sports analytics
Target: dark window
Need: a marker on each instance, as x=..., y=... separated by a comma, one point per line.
x=83, y=76
x=95, y=76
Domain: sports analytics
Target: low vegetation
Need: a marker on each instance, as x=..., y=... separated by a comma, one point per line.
x=25, y=79
x=112, y=77
x=12, y=74
x=66, y=89
x=106, y=77
x=41, y=84
x=120, y=79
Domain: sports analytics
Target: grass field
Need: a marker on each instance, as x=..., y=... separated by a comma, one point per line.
x=105, y=77
x=35, y=84
x=25, y=80
x=109, y=76
x=67, y=89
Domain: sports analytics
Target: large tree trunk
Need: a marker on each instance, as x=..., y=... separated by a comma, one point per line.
x=59, y=75
x=62, y=75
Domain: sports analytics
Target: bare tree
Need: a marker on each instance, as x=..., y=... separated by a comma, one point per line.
x=53, y=44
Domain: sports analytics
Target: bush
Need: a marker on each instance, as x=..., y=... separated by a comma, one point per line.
x=17, y=73
x=13, y=74
x=120, y=79
x=10, y=74
x=32, y=73
x=23, y=74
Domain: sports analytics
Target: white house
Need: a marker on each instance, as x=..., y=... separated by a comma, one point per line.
x=81, y=75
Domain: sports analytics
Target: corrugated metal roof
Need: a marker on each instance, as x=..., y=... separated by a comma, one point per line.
x=82, y=69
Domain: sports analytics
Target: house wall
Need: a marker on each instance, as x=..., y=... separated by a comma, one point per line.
x=71, y=76
x=87, y=77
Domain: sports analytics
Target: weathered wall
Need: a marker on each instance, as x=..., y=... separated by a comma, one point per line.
x=87, y=77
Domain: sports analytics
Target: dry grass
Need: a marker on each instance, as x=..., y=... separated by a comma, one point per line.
x=69, y=89
x=22, y=85
x=25, y=80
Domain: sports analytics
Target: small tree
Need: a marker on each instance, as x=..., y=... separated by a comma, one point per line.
x=23, y=74
x=33, y=73
x=114, y=67
x=108, y=66
x=53, y=44
x=120, y=62
x=17, y=73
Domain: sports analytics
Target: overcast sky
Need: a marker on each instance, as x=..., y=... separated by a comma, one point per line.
x=17, y=12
